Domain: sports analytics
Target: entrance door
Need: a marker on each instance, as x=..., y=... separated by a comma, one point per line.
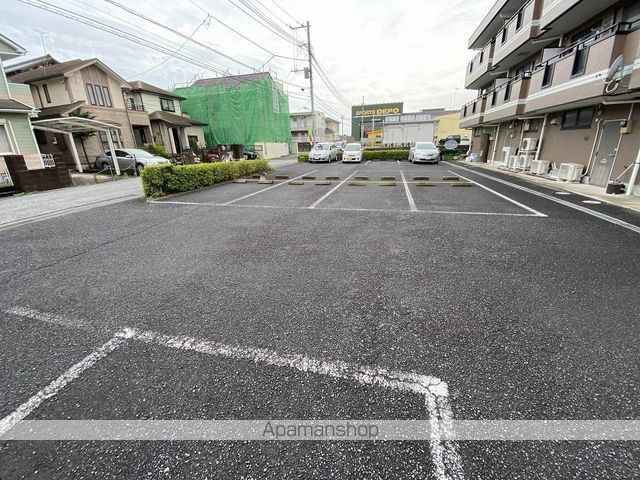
x=176, y=140
x=606, y=154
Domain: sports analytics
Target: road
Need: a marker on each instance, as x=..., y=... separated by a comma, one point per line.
x=522, y=301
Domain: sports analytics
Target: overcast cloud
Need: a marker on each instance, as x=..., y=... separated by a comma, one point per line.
x=413, y=51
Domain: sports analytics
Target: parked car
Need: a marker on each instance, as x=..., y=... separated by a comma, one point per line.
x=424, y=152
x=323, y=152
x=352, y=153
x=129, y=158
x=250, y=155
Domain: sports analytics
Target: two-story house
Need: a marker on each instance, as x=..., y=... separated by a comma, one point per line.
x=168, y=125
x=557, y=81
x=303, y=133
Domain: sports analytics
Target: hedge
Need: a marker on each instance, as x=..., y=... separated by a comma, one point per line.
x=158, y=180
x=303, y=157
x=385, y=155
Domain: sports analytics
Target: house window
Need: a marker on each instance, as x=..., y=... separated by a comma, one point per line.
x=91, y=94
x=41, y=138
x=45, y=89
x=507, y=92
x=519, y=19
x=580, y=60
x=5, y=144
x=105, y=141
x=547, y=77
x=99, y=97
x=578, y=119
x=167, y=105
x=107, y=96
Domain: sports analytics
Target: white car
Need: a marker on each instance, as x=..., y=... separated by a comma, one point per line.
x=352, y=153
x=424, y=152
x=323, y=152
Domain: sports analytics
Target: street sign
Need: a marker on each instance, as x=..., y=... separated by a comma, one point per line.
x=450, y=144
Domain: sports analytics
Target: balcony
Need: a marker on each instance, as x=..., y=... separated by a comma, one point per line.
x=508, y=100
x=513, y=40
x=479, y=68
x=135, y=107
x=576, y=73
x=564, y=15
x=472, y=114
x=492, y=22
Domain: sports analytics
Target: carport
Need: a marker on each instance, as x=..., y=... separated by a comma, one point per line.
x=70, y=125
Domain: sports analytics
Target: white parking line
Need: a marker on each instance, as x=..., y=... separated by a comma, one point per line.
x=529, y=209
x=580, y=208
x=412, y=204
x=59, y=383
x=444, y=453
x=268, y=188
x=322, y=198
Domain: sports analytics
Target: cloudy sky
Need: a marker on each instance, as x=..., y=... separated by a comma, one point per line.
x=385, y=50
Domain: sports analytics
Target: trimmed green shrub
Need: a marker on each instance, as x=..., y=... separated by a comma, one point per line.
x=158, y=149
x=303, y=157
x=385, y=155
x=159, y=180
x=339, y=155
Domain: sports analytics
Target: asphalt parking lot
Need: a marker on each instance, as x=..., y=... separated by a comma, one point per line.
x=255, y=300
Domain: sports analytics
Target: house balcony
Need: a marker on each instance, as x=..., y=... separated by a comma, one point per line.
x=472, y=114
x=493, y=21
x=508, y=100
x=135, y=107
x=513, y=41
x=479, y=68
x=561, y=16
x=576, y=73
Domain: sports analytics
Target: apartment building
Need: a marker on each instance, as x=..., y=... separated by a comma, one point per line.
x=302, y=133
x=558, y=81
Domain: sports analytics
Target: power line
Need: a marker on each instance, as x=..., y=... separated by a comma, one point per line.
x=286, y=13
x=266, y=25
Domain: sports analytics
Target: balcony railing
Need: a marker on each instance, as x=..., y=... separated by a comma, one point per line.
x=135, y=107
x=472, y=114
x=479, y=67
x=38, y=161
x=553, y=10
x=575, y=73
x=507, y=100
x=517, y=31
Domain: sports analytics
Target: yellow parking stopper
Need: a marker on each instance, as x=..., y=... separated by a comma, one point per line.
x=265, y=181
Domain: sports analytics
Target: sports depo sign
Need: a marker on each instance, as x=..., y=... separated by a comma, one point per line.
x=376, y=110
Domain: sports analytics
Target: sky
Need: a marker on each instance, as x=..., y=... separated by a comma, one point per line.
x=383, y=50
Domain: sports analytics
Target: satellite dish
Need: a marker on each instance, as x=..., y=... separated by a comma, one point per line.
x=616, y=67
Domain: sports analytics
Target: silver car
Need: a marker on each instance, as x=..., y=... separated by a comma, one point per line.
x=424, y=152
x=129, y=158
x=323, y=152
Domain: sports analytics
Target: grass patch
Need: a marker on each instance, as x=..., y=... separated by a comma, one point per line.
x=160, y=180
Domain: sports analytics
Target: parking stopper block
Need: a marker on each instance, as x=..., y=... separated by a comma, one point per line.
x=265, y=181
x=447, y=179
x=421, y=178
x=323, y=182
x=240, y=180
x=462, y=184
x=255, y=176
x=332, y=178
x=387, y=184
x=282, y=177
x=425, y=184
x=308, y=177
x=296, y=182
x=387, y=179
x=357, y=184
x=361, y=178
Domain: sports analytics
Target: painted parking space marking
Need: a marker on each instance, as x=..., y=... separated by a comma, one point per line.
x=580, y=208
x=504, y=197
x=326, y=195
x=446, y=460
x=412, y=203
x=230, y=202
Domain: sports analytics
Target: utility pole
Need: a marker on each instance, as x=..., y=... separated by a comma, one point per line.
x=310, y=69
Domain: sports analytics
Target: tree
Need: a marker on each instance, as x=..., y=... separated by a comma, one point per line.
x=82, y=135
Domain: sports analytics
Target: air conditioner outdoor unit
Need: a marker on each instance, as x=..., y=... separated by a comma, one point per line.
x=529, y=144
x=539, y=167
x=513, y=162
x=523, y=161
x=570, y=172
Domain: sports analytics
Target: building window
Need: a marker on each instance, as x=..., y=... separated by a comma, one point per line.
x=99, y=97
x=464, y=113
x=41, y=138
x=477, y=132
x=481, y=57
x=494, y=98
x=107, y=96
x=519, y=19
x=5, y=144
x=91, y=94
x=580, y=60
x=167, y=105
x=504, y=35
x=471, y=67
x=578, y=119
x=547, y=77
x=530, y=126
x=45, y=89
x=507, y=92
x=473, y=108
